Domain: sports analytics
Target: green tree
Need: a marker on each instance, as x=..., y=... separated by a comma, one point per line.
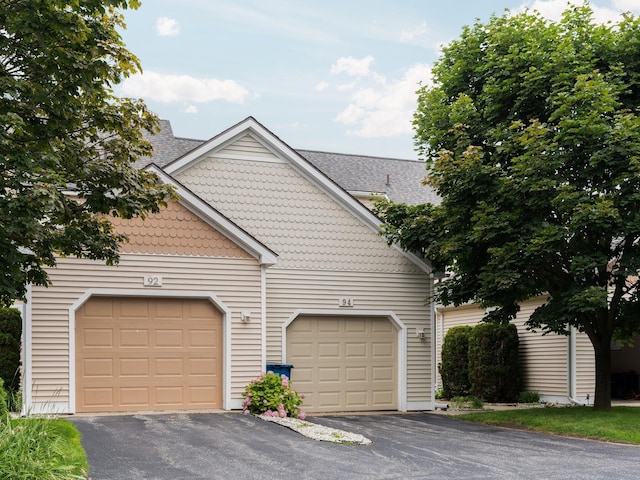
x=532, y=139
x=63, y=130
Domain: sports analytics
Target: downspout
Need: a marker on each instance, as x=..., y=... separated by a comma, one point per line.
x=433, y=342
x=573, y=369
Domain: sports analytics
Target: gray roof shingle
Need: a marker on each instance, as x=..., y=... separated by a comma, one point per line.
x=400, y=180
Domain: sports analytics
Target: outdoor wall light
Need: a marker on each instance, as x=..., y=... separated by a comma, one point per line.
x=420, y=333
x=245, y=316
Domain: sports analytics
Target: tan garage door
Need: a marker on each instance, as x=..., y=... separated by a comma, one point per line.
x=344, y=363
x=148, y=354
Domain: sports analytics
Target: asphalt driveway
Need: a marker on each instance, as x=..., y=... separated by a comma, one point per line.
x=405, y=446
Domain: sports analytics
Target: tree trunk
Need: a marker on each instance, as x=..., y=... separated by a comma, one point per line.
x=602, y=399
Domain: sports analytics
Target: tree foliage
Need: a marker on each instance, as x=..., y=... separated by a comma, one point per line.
x=63, y=130
x=532, y=139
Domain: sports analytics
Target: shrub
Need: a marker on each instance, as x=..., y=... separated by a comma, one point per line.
x=467, y=402
x=454, y=367
x=529, y=397
x=41, y=448
x=10, y=337
x=494, y=369
x=4, y=410
x=272, y=394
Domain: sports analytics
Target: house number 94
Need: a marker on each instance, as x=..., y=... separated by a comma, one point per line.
x=346, y=302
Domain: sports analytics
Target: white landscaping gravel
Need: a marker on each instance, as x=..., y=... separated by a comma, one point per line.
x=318, y=432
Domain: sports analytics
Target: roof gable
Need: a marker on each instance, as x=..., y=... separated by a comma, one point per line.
x=218, y=221
x=270, y=148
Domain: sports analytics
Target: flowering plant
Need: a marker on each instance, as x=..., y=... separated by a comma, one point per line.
x=271, y=394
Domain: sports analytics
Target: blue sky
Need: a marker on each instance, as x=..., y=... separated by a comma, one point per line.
x=337, y=76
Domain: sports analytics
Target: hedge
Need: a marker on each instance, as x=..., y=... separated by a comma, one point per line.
x=10, y=337
x=454, y=365
x=494, y=369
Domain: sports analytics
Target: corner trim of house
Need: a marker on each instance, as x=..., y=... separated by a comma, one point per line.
x=112, y=292
x=402, y=340
x=27, y=349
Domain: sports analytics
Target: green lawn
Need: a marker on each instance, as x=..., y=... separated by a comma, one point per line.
x=621, y=424
x=41, y=449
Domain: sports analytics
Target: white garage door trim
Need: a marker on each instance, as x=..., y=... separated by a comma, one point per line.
x=402, y=340
x=226, y=331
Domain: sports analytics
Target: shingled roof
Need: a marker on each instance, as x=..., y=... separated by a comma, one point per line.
x=400, y=180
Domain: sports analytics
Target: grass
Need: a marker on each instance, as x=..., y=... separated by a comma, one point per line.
x=41, y=449
x=618, y=425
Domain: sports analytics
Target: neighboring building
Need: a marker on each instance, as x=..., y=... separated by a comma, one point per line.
x=560, y=368
x=267, y=256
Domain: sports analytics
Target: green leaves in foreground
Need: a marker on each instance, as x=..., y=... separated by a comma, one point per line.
x=620, y=424
x=41, y=449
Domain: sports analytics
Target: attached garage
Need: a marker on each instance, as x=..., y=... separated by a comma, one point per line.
x=154, y=353
x=344, y=363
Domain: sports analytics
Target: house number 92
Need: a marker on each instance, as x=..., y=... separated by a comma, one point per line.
x=152, y=281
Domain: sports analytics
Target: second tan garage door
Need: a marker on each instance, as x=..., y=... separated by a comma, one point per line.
x=344, y=363
x=148, y=354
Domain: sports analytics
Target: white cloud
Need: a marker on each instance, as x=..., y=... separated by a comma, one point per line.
x=354, y=67
x=414, y=33
x=344, y=87
x=552, y=9
x=385, y=111
x=167, y=88
x=167, y=27
x=191, y=109
x=321, y=86
x=627, y=5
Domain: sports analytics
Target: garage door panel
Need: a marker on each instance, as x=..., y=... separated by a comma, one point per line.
x=98, y=337
x=341, y=362
x=356, y=374
x=97, y=367
x=132, y=362
x=98, y=397
x=354, y=350
x=169, y=338
x=169, y=367
x=203, y=366
x=330, y=325
x=134, y=367
x=329, y=350
x=137, y=397
x=357, y=399
x=202, y=338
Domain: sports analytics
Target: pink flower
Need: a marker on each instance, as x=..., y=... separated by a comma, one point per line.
x=302, y=396
x=285, y=381
x=302, y=416
x=246, y=412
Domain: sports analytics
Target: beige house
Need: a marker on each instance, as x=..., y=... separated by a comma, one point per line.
x=560, y=368
x=264, y=258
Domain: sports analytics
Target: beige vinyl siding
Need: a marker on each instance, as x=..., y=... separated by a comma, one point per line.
x=585, y=367
x=247, y=146
x=405, y=295
x=543, y=359
x=235, y=282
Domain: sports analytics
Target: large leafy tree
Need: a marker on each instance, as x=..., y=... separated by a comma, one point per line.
x=532, y=139
x=67, y=143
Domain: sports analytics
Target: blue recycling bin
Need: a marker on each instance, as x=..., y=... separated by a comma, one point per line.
x=280, y=368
